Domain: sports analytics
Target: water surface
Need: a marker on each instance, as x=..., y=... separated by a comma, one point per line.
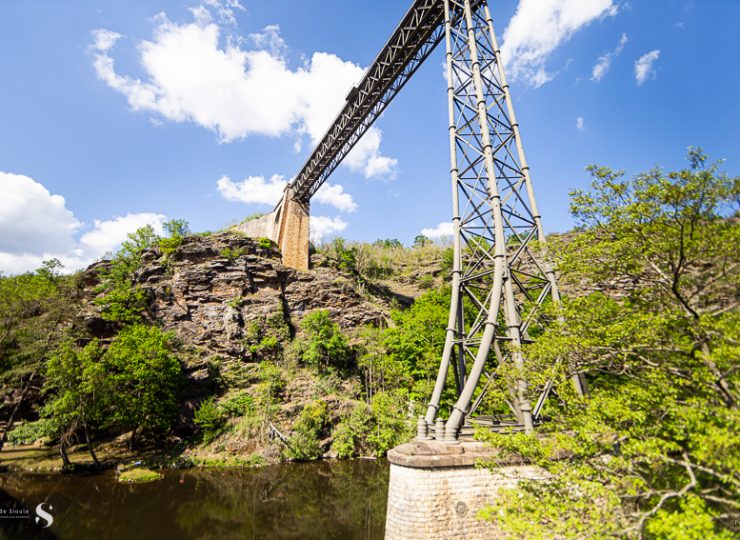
x=340, y=499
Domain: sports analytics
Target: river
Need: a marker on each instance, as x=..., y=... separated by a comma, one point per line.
x=326, y=499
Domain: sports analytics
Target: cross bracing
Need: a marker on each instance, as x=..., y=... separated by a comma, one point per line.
x=501, y=277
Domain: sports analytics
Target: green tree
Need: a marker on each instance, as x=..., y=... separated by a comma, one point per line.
x=656, y=442
x=176, y=227
x=145, y=378
x=388, y=243
x=122, y=301
x=305, y=442
x=414, y=344
x=325, y=345
x=35, y=309
x=421, y=241
x=78, y=393
x=210, y=419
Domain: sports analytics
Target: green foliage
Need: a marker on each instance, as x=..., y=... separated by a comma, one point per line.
x=351, y=433
x=77, y=388
x=35, y=309
x=393, y=423
x=252, y=217
x=273, y=384
x=414, y=344
x=210, y=419
x=656, y=441
x=344, y=257
x=448, y=260
x=236, y=303
x=692, y=520
x=381, y=259
x=30, y=432
x=420, y=241
x=389, y=243
x=324, y=346
x=177, y=230
x=264, y=337
x=124, y=305
x=145, y=377
x=304, y=443
x=265, y=243
x=232, y=254
x=239, y=404
x=122, y=302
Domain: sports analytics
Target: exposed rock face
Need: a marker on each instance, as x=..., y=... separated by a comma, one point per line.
x=211, y=287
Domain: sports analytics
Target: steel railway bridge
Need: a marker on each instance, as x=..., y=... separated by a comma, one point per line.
x=501, y=276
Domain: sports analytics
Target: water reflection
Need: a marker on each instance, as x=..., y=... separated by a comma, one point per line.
x=307, y=500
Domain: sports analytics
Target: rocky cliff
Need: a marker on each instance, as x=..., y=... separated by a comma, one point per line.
x=210, y=288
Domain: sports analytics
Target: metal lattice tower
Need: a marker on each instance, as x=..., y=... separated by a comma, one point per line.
x=500, y=269
x=501, y=277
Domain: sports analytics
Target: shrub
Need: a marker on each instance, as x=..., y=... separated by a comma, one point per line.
x=273, y=383
x=30, y=432
x=210, y=419
x=124, y=305
x=238, y=405
x=350, y=435
x=265, y=243
x=304, y=443
x=393, y=424
x=232, y=254
x=325, y=345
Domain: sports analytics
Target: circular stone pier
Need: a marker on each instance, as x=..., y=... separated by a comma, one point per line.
x=436, y=490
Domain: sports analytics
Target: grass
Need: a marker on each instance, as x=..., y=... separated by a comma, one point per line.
x=138, y=475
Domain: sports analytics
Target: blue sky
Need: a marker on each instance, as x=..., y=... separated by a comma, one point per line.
x=116, y=114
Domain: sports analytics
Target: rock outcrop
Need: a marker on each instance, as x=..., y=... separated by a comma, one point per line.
x=210, y=288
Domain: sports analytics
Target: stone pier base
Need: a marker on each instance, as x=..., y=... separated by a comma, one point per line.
x=436, y=491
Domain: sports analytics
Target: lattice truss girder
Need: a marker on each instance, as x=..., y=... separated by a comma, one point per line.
x=497, y=228
x=418, y=33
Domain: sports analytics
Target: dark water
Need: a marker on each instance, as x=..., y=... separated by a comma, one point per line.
x=343, y=500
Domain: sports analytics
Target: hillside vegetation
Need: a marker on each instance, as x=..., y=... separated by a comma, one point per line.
x=204, y=349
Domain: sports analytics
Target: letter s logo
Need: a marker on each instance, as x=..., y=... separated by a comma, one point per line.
x=42, y=514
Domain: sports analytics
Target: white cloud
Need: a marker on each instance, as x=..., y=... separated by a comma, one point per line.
x=580, y=123
x=442, y=230
x=253, y=189
x=366, y=158
x=645, y=66
x=323, y=227
x=197, y=72
x=271, y=40
x=224, y=9
x=539, y=27
x=108, y=235
x=104, y=39
x=605, y=60
x=334, y=195
x=258, y=190
x=36, y=225
x=32, y=220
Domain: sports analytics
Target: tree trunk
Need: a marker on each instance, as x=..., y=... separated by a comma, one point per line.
x=90, y=448
x=14, y=412
x=63, y=451
x=132, y=441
